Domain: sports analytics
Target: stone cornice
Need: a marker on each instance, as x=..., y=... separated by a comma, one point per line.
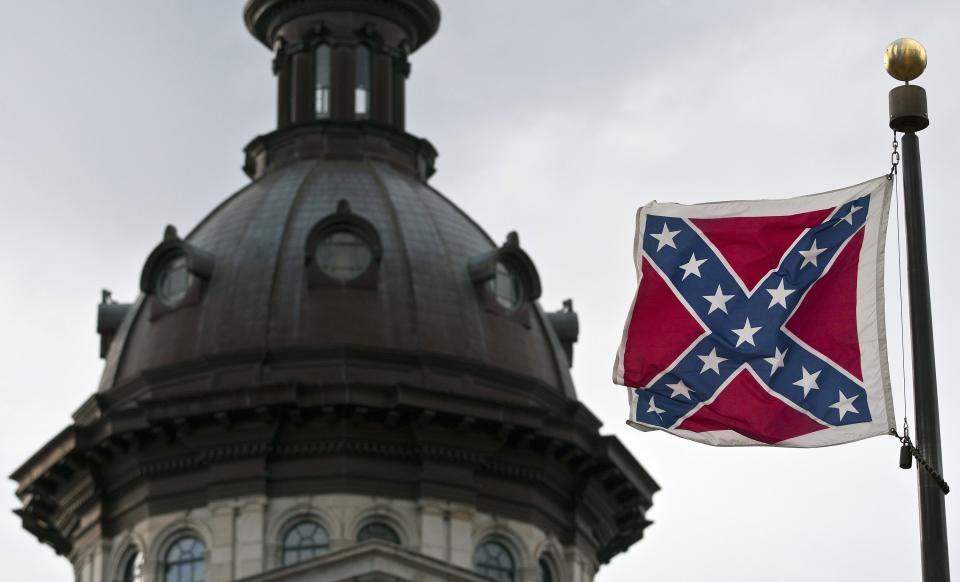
x=125, y=449
x=323, y=139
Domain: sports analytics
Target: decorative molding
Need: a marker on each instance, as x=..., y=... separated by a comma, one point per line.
x=364, y=441
x=419, y=18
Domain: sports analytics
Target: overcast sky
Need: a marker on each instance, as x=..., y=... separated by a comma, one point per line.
x=557, y=118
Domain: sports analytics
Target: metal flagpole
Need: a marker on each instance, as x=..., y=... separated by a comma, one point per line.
x=905, y=60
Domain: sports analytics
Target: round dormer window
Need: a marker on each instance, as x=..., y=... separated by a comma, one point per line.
x=173, y=279
x=506, y=286
x=343, y=255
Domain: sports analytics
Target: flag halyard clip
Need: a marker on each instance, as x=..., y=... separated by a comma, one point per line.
x=894, y=158
x=908, y=450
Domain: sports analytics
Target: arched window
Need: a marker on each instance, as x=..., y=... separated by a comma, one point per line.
x=133, y=567
x=377, y=530
x=494, y=561
x=185, y=560
x=322, y=81
x=304, y=540
x=362, y=93
x=544, y=571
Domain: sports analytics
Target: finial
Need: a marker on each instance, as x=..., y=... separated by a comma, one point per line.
x=170, y=233
x=905, y=59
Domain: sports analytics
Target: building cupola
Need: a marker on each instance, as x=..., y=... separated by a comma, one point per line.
x=341, y=68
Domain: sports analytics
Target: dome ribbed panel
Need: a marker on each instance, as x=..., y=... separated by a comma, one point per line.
x=243, y=296
x=440, y=280
x=462, y=240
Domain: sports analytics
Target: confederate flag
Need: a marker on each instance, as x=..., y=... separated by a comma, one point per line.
x=761, y=322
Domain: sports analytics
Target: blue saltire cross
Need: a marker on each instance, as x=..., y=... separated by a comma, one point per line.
x=745, y=326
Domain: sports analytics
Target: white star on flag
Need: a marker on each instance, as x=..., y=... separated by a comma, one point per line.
x=779, y=296
x=746, y=333
x=665, y=238
x=711, y=361
x=776, y=361
x=718, y=301
x=808, y=382
x=849, y=217
x=692, y=267
x=680, y=389
x=845, y=405
x=653, y=408
x=809, y=256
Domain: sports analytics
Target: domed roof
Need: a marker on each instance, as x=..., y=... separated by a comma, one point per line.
x=258, y=318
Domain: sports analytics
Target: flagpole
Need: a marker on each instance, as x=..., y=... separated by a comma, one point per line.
x=905, y=61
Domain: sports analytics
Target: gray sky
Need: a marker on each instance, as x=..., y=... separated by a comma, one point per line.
x=552, y=117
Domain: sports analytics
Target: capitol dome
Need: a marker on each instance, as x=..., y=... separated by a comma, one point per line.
x=337, y=374
x=426, y=312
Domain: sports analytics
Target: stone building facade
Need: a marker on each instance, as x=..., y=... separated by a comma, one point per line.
x=436, y=539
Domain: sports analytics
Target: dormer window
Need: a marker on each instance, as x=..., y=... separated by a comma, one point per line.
x=173, y=279
x=506, y=286
x=506, y=280
x=362, y=77
x=175, y=274
x=322, y=80
x=343, y=254
x=343, y=250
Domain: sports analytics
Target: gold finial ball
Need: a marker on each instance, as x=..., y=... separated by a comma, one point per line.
x=905, y=59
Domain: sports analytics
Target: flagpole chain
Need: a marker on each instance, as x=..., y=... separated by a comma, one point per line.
x=894, y=157
x=915, y=452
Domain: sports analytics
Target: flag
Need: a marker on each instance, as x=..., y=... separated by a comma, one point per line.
x=761, y=322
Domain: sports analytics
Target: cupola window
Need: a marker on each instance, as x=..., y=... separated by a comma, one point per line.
x=494, y=561
x=362, y=73
x=343, y=255
x=303, y=541
x=378, y=530
x=343, y=250
x=173, y=279
x=185, y=561
x=322, y=76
